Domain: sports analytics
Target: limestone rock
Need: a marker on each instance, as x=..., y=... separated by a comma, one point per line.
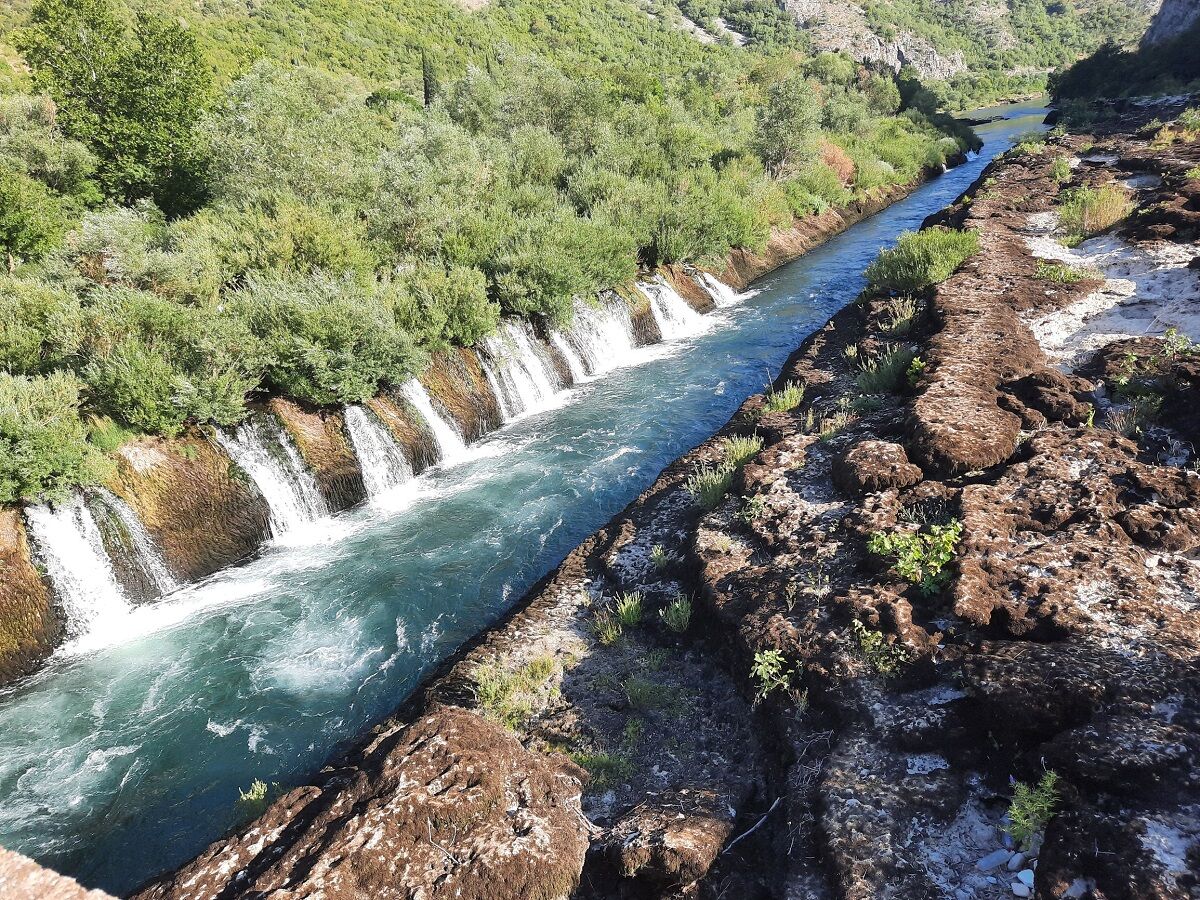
x=871, y=466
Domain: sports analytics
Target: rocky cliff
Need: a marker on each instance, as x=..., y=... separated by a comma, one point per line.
x=1173, y=18
x=802, y=687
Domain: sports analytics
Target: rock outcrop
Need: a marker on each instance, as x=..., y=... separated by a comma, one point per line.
x=23, y=879
x=451, y=806
x=29, y=624
x=1173, y=18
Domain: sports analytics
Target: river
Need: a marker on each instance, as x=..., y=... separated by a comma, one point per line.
x=124, y=756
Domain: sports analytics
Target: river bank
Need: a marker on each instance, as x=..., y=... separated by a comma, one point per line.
x=820, y=725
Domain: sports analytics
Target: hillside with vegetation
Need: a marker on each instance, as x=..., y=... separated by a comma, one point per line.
x=198, y=206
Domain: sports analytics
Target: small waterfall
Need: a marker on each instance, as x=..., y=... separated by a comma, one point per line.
x=722, y=294
x=135, y=542
x=67, y=541
x=675, y=318
x=450, y=442
x=574, y=363
x=382, y=461
x=264, y=451
x=602, y=334
x=522, y=379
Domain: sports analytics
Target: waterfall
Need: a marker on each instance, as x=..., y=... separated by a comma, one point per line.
x=136, y=544
x=522, y=379
x=675, y=318
x=264, y=451
x=450, y=442
x=382, y=461
x=722, y=294
x=602, y=333
x=67, y=541
x=574, y=363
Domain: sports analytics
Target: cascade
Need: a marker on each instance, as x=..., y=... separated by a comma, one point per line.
x=574, y=363
x=382, y=461
x=522, y=379
x=264, y=451
x=603, y=334
x=67, y=541
x=136, y=542
x=675, y=318
x=722, y=294
x=450, y=443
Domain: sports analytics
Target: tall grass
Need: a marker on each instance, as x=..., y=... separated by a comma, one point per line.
x=921, y=259
x=786, y=398
x=1086, y=211
x=885, y=374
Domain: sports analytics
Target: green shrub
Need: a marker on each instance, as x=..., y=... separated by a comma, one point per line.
x=920, y=557
x=677, y=614
x=769, y=672
x=44, y=451
x=606, y=627
x=1060, y=170
x=921, y=259
x=256, y=795
x=739, y=450
x=628, y=608
x=1192, y=174
x=1086, y=211
x=1032, y=808
x=785, y=399
x=899, y=314
x=709, y=484
x=41, y=326
x=752, y=508
x=885, y=374
x=659, y=557
x=1189, y=122
x=884, y=657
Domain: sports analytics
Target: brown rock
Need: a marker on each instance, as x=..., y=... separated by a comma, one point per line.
x=29, y=628
x=871, y=466
x=456, y=382
x=451, y=806
x=23, y=879
x=320, y=436
x=663, y=847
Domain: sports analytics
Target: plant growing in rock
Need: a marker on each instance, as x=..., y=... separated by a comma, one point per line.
x=606, y=769
x=1060, y=170
x=1032, y=808
x=606, y=627
x=786, y=398
x=752, y=508
x=659, y=557
x=1131, y=420
x=917, y=556
x=677, y=614
x=256, y=794
x=769, y=672
x=508, y=696
x=1192, y=174
x=915, y=370
x=899, y=315
x=884, y=657
x=708, y=484
x=739, y=450
x=921, y=259
x=629, y=609
x=646, y=695
x=885, y=374
x=1189, y=123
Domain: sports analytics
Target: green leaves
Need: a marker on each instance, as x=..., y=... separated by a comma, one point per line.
x=920, y=557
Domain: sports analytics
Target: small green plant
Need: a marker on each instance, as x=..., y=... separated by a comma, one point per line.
x=646, y=695
x=108, y=436
x=752, y=508
x=769, y=672
x=631, y=734
x=1131, y=420
x=709, y=484
x=884, y=657
x=740, y=450
x=629, y=609
x=606, y=627
x=677, y=614
x=899, y=315
x=1060, y=170
x=785, y=399
x=659, y=557
x=885, y=374
x=656, y=659
x=916, y=369
x=920, y=557
x=605, y=769
x=256, y=795
x=1176, y=345
x=1192, y=174
x=507, y=696
x=1032, y=808
x=1189, y=123
x=1086, y=211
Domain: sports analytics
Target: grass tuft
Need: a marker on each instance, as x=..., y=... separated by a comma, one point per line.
x=1059, y=273
x=921, y=259
x=678, y=614
x=885, y=374
x=1086, y=211
x=629, y=609
x=786, y=398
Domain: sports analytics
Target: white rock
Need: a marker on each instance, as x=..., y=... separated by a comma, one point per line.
x=1020, y=890
x=1017, y=861
x=1025, y=876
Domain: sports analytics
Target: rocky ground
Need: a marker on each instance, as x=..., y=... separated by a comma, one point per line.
x=936, y=639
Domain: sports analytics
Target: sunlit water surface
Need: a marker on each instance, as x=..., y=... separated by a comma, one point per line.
x=124, y=757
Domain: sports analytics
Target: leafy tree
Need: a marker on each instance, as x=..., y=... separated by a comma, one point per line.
x=31, y=217
x=133, y=94
x=788, y=123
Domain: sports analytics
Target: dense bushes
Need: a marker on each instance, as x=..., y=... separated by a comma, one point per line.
x=1172, y=67
x=316, y=231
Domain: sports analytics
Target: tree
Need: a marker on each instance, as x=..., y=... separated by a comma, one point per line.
x=788, y=125
x=31, y=217
x=133, y=94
